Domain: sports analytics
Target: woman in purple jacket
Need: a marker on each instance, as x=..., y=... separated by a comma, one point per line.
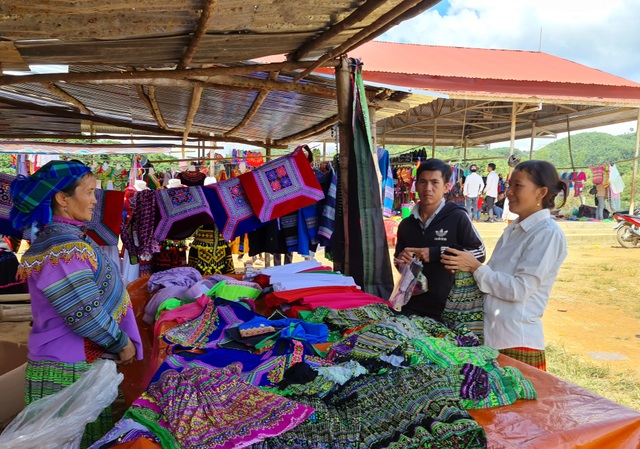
x=81, y=308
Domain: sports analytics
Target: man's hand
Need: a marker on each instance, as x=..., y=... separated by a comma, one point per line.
x=407, y=255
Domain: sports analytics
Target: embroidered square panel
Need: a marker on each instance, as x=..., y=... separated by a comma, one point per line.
x=282, y=186
x=230, y=208
x=182, y=211
x=104, y=227
x=6, y=228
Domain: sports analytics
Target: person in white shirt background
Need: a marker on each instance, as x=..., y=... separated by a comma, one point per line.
x=517, y=280
x=473, y=185
x=491, y=190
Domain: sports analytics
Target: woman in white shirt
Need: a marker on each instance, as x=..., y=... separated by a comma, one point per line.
x=518, y=278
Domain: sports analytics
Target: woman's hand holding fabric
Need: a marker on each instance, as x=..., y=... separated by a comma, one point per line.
x=453, y=260
x=128, y=354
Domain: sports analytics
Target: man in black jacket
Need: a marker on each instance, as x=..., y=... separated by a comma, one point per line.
x=433, y=226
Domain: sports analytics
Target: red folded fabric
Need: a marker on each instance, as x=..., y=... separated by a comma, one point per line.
x=276, y=299
x=341, y=301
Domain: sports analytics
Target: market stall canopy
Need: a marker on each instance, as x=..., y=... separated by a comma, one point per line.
x=479, y=87
x=180, y=68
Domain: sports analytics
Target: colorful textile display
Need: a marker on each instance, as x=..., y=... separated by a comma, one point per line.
x=182, y=211
x=465, y=305
x=231, y=209
x=192, y=178
x=137, y=231
x=282, y=186
x=210, y=253
x=6, y=203
x=217, y=409
x=172, y=254
x=104, y=227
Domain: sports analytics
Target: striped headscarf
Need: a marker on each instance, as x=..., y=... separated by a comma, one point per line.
x=32, y=195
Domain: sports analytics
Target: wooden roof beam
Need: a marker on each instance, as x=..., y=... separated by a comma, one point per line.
x=354, y=18
x=223, y=83
x=317, y=129
x=84, y=77
x=63, y=112
x=404, y=11
x=51, y=87
x=255, y=106
x=201, y=30
x=152, y=104
x=196, y=95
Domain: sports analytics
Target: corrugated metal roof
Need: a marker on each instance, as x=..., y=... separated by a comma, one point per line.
x=479, y=63
x=110, y=45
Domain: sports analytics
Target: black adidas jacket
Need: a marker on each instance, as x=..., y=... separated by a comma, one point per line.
x=451, y=227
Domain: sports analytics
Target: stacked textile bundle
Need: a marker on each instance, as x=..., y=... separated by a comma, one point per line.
x=358, y=376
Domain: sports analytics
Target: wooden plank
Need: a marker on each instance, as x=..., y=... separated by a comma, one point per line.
x=15, y=312
x=15, y=297
x=10, y=58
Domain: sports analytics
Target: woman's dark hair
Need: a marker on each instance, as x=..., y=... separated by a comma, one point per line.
x=433, y=164
x=544, y=174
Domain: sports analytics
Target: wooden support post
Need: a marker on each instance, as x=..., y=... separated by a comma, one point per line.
x=573, y=166
x=634, y=176
x=433, y=141
x=343, y=94
x=533, y=136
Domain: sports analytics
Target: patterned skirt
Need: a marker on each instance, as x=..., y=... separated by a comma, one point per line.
x=45, y=377
x=533, y=357
x=465, y=305
x=209, y=253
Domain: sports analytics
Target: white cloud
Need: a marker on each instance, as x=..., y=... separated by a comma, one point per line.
x=602, y=35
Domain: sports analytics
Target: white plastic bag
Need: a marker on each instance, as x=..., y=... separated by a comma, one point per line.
x=58, y=421
x=404, y=288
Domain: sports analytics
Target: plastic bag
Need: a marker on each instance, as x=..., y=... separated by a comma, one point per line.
x=403, y=290
x=58, y=421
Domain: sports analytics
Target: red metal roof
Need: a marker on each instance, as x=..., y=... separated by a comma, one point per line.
x=479, y=63
x=491, y=73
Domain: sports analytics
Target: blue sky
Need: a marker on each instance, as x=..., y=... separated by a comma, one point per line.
x=600, y=34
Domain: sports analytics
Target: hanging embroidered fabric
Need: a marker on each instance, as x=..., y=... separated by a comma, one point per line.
x=182, y=211
x=209, y=253
x=465, y=305
x=231, y=209
x=173, y=254
x=137, y=231
x=104, y=227
x=282, y=186
x=192, y=178
x=6, y=228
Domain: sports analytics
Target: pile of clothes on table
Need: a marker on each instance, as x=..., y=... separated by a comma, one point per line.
x=323, y=365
